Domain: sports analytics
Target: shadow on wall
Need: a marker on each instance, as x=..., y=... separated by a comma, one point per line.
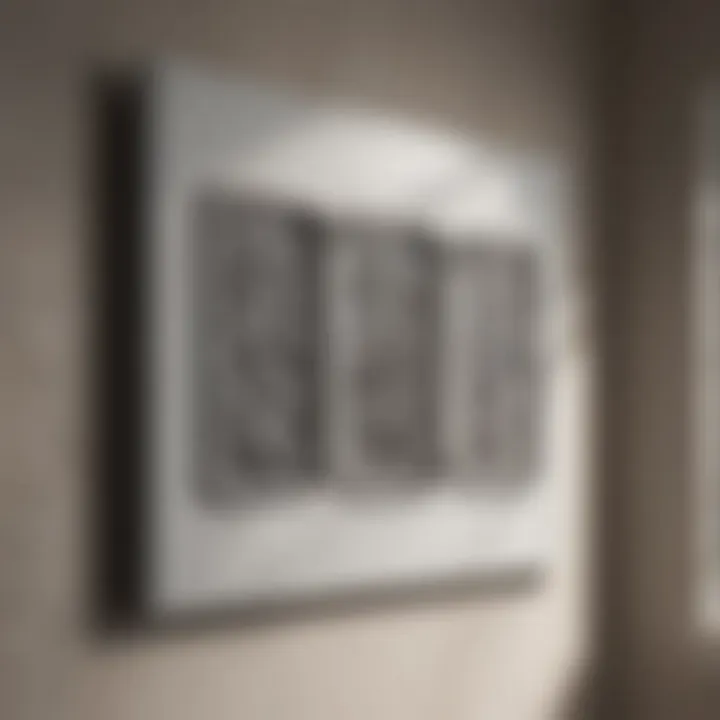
x=580, y=702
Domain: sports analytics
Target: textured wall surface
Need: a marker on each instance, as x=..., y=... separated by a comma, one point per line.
x=508, y=72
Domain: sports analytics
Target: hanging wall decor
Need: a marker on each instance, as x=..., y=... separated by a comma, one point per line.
x=325, y=378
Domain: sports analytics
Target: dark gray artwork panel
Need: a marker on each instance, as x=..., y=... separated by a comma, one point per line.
x=393, y=384
x=504, y=370
x=258, y=330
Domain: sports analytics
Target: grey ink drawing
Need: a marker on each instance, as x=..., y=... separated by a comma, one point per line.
x=491, y=362
x=353, y=354
x=257, y=346
x=506, y=363
x=392, y=384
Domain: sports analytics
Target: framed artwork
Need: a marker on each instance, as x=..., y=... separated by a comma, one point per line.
x=309, y=397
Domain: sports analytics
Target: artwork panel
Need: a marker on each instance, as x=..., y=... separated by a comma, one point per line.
x=493, y=362
x=258, y=320
x=387, y=294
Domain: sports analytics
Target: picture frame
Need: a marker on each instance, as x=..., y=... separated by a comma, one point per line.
x=348, y=492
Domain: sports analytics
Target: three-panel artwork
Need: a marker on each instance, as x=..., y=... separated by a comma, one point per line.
x=326, y=401
x=356, y=358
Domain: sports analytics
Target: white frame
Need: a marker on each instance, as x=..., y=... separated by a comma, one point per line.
x=208, y=132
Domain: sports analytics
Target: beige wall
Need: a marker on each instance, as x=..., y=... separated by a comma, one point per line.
x=512, y=72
